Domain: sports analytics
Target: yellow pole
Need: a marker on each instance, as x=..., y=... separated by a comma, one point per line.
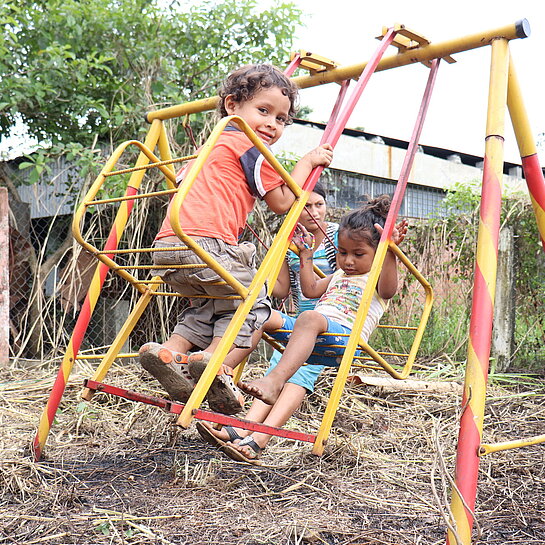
x=507, y=445
x=122, y=336
x=519, y=29
x=351, y=346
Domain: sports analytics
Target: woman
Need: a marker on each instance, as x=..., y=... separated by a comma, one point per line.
x=250, y=445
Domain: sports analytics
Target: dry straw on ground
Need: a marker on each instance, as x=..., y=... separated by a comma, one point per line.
x=117, y=472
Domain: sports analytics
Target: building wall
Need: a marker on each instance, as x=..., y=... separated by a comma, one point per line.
x=374, y=159
x=361, y=157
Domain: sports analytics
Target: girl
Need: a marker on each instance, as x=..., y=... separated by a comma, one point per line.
x=340, y=292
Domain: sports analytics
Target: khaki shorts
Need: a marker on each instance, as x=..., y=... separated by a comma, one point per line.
x=209, y=318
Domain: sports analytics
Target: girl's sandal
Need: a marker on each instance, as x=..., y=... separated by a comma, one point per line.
x=236, y=452
x=233, y=435
x=209, y=434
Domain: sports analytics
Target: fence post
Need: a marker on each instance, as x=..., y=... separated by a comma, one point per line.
x=4, y=277
x=504, y=305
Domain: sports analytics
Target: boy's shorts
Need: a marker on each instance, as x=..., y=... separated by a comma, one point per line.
x=306, y=376
x=330, y=346
x=208, y=318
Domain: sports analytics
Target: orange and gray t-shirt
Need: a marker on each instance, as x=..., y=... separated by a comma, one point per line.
x=225, y=190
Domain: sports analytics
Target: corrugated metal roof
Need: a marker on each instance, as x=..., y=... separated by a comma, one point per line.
x=52, y=198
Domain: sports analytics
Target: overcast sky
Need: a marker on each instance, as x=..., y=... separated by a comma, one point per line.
x=344, y=31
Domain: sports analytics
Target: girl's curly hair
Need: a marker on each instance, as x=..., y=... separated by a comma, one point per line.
x=247, y=80
x=360, y=223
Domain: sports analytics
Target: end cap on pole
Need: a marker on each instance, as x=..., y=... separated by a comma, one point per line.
x=523, y=28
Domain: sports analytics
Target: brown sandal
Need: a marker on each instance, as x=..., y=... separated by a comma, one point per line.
x=236, y=454
x=169, y=368
x=223, y=396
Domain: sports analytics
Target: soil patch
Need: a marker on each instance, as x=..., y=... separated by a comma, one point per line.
x=121, y=472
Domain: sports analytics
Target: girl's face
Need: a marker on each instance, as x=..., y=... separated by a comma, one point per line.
x=355, y=256
x=315, y=209
x=267, y=112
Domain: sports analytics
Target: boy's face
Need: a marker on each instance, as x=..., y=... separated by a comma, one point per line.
x=267, y=112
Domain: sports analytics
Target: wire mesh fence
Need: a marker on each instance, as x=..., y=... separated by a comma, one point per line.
x=50, y=277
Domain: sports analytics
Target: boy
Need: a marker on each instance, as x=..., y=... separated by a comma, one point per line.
x=214, y=213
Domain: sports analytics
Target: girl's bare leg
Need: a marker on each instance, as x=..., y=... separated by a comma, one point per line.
x=288, y=402
x=307, y=327
x=238, y=354
x=277, y=415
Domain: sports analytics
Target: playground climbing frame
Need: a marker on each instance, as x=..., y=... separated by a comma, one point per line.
x=504, y=94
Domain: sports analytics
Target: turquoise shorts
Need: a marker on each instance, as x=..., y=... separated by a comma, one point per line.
x=329, y=348
x=306, y=376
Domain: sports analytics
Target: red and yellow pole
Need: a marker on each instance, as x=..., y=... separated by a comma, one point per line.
x=528, y=151
x=50, y=410
x=482, y=310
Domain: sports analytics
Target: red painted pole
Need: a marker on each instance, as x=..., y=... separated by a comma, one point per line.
x=78, y=334
x=84, y=317
x=482, y=310
x=528, y=151
x=341, y=120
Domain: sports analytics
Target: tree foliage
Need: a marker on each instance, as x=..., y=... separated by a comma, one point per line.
x=77, y=72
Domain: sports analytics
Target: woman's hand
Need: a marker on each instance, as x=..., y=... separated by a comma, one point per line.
x=400, y=232
x=303, y=239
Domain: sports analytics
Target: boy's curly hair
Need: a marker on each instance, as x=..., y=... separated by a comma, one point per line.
x=247, y=80
x=360, y=223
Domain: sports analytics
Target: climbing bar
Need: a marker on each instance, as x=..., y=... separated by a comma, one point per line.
x=392, y=326
x=83, y=357
x=507, y=445
x=106, y=256
x=149, y=166
x=129, y=198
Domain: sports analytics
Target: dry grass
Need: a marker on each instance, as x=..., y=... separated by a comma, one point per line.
x=117, y=472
